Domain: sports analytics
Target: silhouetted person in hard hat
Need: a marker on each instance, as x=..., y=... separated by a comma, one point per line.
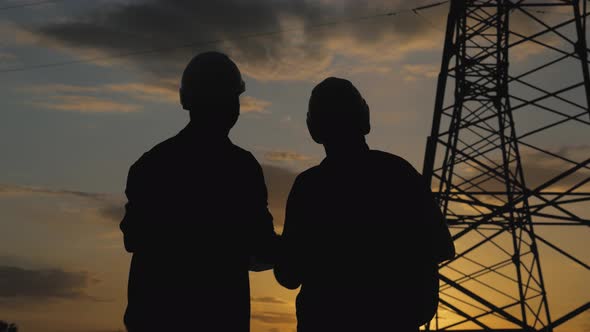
x=363, y=234
x=197, y=214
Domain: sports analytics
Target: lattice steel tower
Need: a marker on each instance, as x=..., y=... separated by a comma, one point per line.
x=508, y=159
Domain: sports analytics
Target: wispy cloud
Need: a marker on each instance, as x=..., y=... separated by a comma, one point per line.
x=413, y=72
x=4, y=57
x=144, y=92
x=43, y=284
x=86, y=104
x=107, y=206
x=285, y=156
x=268, y=300
x=98, y=98
x=250, y=104
x=14, y=34
x=104, y=98
x=11, y=190
x=273, y=317
x=61, y=89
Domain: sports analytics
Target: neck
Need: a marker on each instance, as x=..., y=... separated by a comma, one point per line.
x=346, y=148
x=204, y=128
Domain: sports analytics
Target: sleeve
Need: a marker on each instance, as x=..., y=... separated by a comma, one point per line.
x=438, y=234
x=261, y=229
x=287, y=271
x=137, y=224
x=130, y=223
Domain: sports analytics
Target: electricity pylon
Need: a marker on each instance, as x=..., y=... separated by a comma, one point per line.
x=508, y=159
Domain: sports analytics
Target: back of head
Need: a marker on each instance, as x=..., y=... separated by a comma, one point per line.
x=210, y=88
x=337, y=112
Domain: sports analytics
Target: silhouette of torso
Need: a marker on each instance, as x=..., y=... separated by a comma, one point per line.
x=361, y=235
x=197, y=210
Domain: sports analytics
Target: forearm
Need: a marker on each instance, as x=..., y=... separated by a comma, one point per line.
x=287, y=269
x=135, y=227
x=287, y=275
x=129, y=234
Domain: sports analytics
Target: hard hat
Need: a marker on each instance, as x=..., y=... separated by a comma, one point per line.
x=210, y=76
x=337, y=111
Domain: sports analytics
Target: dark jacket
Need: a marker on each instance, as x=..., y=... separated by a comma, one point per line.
x=363, y=236
x=196, y=213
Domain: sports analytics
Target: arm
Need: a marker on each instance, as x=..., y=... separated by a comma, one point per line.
x=136, y=222
x=287, y=271
x=263, y=237
x=125, y=227
x=129, y=222
x=438, y=247
x=438, y=232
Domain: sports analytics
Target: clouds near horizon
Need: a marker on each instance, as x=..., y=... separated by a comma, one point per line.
x=43, y=284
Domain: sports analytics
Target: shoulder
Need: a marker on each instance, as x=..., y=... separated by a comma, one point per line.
x=308, y=176
x=243, y=154
x=155, y=158
x=310, y=173
x=244, y=159
x=391, y=162
x=149, y=163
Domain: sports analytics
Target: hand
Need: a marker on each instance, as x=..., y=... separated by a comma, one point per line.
x=258, y=266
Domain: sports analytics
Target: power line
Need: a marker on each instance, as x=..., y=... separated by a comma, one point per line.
x=29, y=4
x=217, y=41
x=427, y=21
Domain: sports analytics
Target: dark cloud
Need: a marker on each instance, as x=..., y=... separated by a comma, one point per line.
x=299, y=54
x=273, y=317
x=43, y=284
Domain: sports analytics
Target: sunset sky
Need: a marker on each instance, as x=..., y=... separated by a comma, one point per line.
x=70, y=131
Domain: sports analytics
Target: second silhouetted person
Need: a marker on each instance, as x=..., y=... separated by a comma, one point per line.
x=363, y=234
